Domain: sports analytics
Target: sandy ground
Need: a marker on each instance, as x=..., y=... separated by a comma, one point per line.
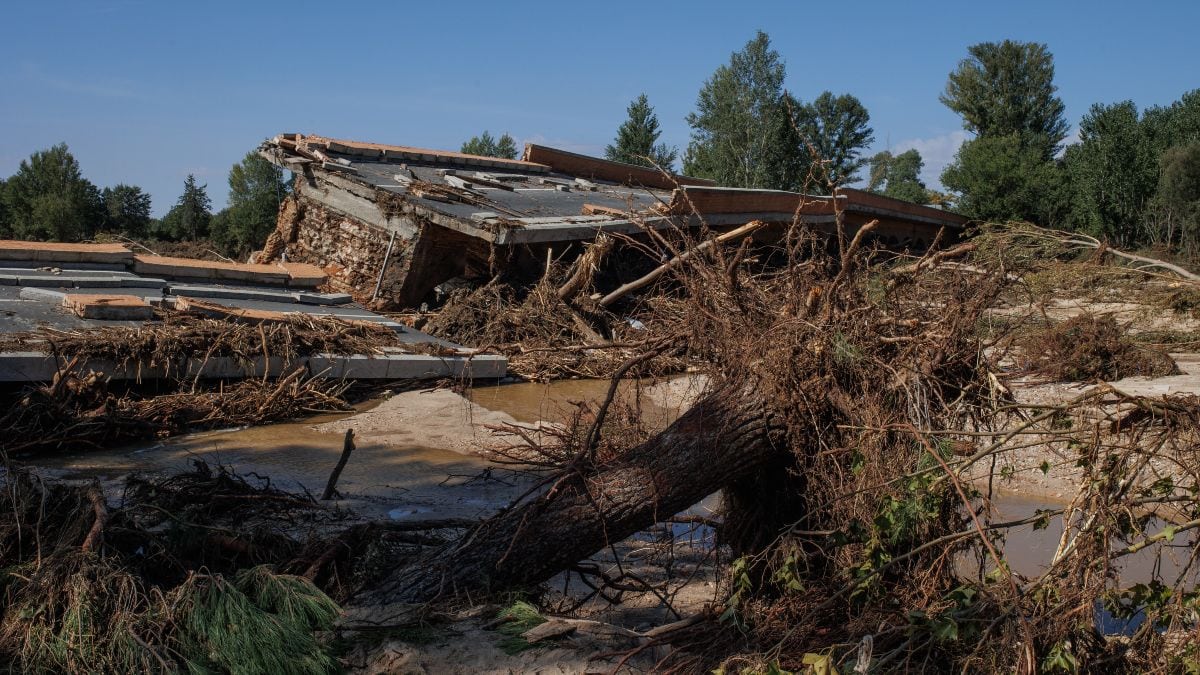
x=429, y=419
x=1050, y=473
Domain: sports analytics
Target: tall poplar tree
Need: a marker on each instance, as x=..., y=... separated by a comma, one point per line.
x=1006, y=95
x=1006, y=88
x=738, y=120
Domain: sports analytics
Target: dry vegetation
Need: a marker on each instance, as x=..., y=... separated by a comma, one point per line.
x=81, y=409
x=546, y=337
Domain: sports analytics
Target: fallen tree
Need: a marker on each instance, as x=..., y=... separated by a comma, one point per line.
x=587, y=508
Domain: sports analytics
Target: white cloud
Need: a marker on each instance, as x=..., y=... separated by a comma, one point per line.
x=937, y=152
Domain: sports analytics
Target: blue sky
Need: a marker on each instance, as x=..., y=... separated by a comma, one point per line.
x=147, y=92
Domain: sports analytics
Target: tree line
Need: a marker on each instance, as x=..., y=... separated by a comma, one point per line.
x=1133, y=177
x=48, y=198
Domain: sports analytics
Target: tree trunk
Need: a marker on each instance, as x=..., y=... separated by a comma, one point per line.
x=725, y=437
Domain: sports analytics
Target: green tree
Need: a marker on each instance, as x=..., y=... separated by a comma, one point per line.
x=898, y=176
x=837, y=129
x=5, y=226
x=1007, y=88
x=1178, y=199
x=256, y=188
x=740, y=121
x=1003, y=178
x=48, y=198
x=126, y=210
x=189, y=218
x=485, y=145
x=636, y=141
x=1113, y=173
x=1005, y=94
x=1174, y=125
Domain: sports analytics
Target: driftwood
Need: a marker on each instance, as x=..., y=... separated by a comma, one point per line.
x=1144, y=263
x=96, y=533
x=934, y=259
x=585, y=267
x=744, y=230
x=728, y=435
x=347, y=448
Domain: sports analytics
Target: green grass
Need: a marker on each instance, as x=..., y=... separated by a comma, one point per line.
x=519, y=617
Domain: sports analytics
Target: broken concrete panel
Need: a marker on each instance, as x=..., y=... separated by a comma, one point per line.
x=356, y=366
x=422, y=366
x=143, y=282
x=295, y=274
x=8, y=280
x=229, y=367
x=42, y=295
x=43, y=251
x=26, y=367
x=72, y=281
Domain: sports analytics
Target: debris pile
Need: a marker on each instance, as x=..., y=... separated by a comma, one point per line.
x=181, y=576
x=81, y=408
x=546, y=337
x=1087, y=348
x=854, y=400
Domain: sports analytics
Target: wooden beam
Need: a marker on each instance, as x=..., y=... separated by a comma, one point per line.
x=602, y=169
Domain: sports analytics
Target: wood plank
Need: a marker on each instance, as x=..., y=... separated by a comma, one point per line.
x=598, y=210
x=602, y=169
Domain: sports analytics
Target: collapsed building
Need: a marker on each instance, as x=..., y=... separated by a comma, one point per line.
x=389, y=223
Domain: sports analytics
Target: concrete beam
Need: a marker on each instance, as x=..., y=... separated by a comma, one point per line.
x=40, y=367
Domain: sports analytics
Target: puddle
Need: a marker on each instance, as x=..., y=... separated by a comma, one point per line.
x=662, y=401
x=1029, y=552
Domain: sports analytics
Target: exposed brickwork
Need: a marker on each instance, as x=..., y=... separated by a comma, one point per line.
x=349, y=251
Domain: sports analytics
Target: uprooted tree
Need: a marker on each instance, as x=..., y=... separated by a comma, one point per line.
x=854, y=400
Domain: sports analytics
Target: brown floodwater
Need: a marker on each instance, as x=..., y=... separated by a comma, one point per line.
x=402, y=480
x=379, y=478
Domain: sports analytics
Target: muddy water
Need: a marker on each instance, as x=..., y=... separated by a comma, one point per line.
x=1029, y=550
x=379, y=479
x=383, y=477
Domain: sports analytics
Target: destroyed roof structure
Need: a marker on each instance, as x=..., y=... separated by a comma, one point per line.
x=389, y=223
